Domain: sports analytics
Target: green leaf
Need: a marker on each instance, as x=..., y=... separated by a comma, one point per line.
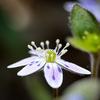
x=82, y=20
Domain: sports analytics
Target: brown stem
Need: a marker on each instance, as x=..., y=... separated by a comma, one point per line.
x=56, y=94
x=95, y=62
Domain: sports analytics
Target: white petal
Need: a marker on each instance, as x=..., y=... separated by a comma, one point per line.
x=39, y=53
x=32, y=52
x=73, y=67
x=53, y=74
x=22, y=62
x=31, y=68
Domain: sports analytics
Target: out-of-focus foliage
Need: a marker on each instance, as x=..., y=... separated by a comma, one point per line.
x=82, y=20
x=36, y=89
x=12, y=39
x=90, y=42
x=17, y=13
x=85, y=30
x=92, y=5
x=86, y=89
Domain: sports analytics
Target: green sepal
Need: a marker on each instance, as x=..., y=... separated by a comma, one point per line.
x=88, y=43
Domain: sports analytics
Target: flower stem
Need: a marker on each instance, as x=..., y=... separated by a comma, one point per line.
x=56, y=93
x=95, y=63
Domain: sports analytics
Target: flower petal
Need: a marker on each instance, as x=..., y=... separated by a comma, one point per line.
x=53, y=74
x=73, y=67
x=68, y=6
x=31, y=68
x=39, y=53
x=22, y=62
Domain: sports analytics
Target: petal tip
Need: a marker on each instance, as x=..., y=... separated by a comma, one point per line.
x=10, y=66
x=19, y=74
x=88, y=73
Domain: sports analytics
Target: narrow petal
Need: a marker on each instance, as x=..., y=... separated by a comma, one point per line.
x=22, y=62
x=53, y=75
x=73, y=67
x=39, y=53
x=32, y=52
x=31, y=68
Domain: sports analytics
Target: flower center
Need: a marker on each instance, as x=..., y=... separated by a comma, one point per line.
x=50, y=56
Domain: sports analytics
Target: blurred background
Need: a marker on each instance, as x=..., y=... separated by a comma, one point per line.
x=22, y=21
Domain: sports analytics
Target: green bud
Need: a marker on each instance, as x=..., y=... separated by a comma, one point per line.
x=82, y=20
x=85, y=30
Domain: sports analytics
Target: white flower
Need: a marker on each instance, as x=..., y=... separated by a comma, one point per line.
x=49, y=60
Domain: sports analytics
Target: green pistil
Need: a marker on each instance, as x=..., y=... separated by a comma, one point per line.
x=50, y=56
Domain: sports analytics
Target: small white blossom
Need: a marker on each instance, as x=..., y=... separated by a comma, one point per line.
x=49, y=60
